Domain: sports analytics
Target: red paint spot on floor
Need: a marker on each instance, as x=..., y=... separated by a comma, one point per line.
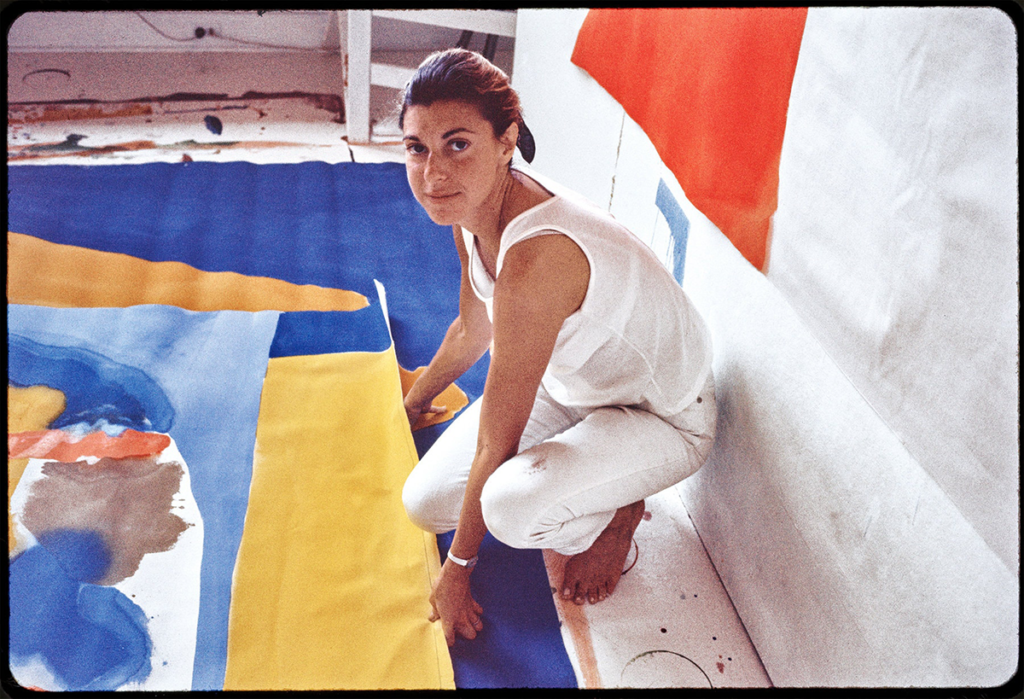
x=647, y=515
x=721, y=667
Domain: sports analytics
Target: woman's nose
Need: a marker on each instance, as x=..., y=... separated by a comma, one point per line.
x=435, y=169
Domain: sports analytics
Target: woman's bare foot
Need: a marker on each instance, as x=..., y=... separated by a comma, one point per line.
x=592, y=575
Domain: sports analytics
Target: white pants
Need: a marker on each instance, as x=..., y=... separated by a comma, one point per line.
x=574, y=469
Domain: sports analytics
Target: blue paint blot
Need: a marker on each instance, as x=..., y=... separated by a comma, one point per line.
x=95, y=387
x=214, y=124
x=82, y=553
x=678, y=226
x=113, y=613
x=88, y=637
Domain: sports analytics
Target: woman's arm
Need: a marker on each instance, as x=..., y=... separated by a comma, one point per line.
x=543, y=281
x=467, y=339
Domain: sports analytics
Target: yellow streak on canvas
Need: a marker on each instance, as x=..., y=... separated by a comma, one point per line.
x=332, y=582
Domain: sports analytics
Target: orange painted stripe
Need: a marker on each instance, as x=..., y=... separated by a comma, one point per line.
x=452, y=398
x=41, y=273
x=62, y=446
x=710, y=87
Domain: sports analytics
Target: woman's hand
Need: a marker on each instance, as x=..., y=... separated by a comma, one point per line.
x=413, y=411
x=454, y=605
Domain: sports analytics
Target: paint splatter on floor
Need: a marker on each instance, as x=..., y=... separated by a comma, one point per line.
x=268, y=127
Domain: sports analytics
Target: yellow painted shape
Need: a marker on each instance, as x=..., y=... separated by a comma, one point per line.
x=33, y=408
x=41, y=273
x=332, y=581
x=453, y=398
x=28, y=409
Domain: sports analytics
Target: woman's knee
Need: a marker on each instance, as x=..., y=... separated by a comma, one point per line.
x=422, y=505
x=507, y=506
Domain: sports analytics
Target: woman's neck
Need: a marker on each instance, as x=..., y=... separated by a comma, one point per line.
x=513, y=195
x=490, y=220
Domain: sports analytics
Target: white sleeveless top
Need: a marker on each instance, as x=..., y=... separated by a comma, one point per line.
x=635, y=339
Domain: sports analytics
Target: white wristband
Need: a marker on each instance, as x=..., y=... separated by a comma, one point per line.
x=462, y=561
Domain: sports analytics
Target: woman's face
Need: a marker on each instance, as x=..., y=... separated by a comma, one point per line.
x=453, y=160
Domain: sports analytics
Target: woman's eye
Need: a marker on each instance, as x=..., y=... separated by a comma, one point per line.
x=459, y=145
x=415, y=148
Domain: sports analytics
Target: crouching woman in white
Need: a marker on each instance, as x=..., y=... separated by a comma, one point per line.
x=599, y=392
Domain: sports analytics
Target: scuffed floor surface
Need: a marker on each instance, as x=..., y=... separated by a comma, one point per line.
x=670, y=622
x=260, y=129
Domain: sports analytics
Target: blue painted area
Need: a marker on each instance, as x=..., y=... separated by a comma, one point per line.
x=678, y=225
x=521, y=644
x=89, y=637
x=211, y=367
x=339, y=226
x=82, y=553
x=325, y=332
x=95, y=387
x=110, y=610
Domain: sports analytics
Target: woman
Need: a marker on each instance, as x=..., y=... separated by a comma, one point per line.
x=599, y=392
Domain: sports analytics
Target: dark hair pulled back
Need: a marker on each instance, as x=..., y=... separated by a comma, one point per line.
x=466, y=76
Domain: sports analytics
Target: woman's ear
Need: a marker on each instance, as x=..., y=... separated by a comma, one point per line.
x=510, y=138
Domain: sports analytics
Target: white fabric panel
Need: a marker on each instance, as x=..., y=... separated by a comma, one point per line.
x=574, y=121
x=847, y=563
x=896, y=235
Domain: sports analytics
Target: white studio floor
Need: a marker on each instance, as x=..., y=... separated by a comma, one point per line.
x=670, y=622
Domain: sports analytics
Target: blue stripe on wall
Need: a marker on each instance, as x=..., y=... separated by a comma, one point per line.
x=678, y=225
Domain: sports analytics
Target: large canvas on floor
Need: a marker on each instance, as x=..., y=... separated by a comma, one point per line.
x=253, y=372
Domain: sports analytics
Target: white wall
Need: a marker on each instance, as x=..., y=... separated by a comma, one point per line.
x=566, y=110
x=131, y=30
x=912, y=286
x=140, y=30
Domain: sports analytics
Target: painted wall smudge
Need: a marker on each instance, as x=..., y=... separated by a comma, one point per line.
x=678, y=225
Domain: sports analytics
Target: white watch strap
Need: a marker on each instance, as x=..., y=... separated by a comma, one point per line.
x=462, y=561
